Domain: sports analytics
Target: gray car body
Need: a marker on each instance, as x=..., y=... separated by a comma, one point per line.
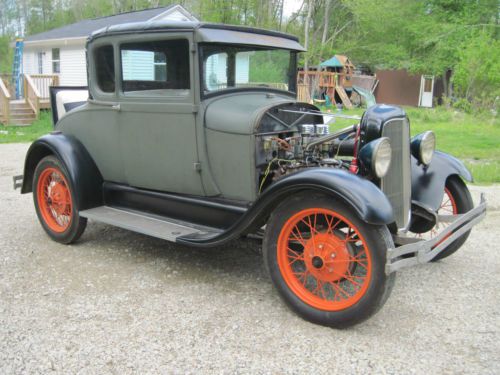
x=175, y=143
x=194, y=145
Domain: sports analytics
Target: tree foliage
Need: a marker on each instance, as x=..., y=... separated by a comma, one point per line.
x=423, y=36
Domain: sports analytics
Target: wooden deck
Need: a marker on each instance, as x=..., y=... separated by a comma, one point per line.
x=36, y=98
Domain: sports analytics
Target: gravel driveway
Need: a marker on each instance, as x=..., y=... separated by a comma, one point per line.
x=120, y=302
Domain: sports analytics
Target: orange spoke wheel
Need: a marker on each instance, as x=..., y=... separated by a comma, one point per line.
x=327, y=263
x=54, y=199
x=324, y=259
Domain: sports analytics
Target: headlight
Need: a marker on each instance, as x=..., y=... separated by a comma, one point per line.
x=423, y=146
x=376, y=156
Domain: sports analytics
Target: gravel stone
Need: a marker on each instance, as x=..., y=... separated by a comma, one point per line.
x=119, y=302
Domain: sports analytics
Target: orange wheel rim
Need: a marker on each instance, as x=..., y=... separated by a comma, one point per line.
x=54, y=200
x=448, y=205
x=324, y=259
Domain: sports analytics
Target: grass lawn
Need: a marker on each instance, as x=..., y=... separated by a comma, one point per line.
x=475, y=139
x=16, y=134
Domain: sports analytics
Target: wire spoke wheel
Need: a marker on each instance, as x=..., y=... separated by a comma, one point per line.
x=324, y=259
x=54, y=199
x=448, y=207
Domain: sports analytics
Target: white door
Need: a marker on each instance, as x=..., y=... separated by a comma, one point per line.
x=426, y=91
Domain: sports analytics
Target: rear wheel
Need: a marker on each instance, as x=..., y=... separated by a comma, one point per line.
x=55, y=202
x=327, y=264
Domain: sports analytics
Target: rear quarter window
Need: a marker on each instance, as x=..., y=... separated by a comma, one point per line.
x=105, y=68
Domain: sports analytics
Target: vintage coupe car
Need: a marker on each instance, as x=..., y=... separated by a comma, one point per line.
x=192, y=133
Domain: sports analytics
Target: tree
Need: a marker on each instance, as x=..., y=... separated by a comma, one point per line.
x=477, y=73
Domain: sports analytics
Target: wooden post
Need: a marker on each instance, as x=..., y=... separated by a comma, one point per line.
x=5, y=102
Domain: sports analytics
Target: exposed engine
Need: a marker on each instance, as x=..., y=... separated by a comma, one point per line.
x=300, y=146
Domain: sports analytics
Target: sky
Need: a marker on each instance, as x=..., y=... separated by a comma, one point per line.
x=290, y=6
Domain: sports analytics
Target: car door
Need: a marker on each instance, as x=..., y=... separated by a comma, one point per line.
x=157, y=113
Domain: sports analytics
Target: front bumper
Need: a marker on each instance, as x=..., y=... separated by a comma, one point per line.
x=419, y=251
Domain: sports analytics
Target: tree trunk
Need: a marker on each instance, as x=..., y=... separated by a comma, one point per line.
x=445, y=87
x=326, y=18
x=306, y=32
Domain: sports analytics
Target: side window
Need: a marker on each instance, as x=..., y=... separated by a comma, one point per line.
x=105, y=68
x=160, y=65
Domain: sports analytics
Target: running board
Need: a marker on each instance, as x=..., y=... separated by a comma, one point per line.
x=151, y=225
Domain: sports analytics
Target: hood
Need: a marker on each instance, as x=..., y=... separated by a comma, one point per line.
x=238, y=113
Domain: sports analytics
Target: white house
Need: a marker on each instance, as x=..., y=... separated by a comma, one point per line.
x=61, y=51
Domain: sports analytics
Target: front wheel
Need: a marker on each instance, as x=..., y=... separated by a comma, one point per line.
x=456, y=200
x=55, y=202
x=327, y=264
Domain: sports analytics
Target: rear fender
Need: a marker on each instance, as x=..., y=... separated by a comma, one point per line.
x=428, y=182
x=82, y=170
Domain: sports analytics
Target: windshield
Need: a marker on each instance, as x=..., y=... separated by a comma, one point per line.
x=229, y=67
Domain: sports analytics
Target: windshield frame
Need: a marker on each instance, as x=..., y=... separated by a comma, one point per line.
x=292, y=70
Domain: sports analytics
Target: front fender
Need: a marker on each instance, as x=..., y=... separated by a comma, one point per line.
x=81, y=168
x=427, y=184
x=369, y=202
x=366, y=199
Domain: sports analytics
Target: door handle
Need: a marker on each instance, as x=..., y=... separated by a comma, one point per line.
x=116, y=107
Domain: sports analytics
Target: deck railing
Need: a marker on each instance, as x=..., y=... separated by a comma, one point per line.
x=4, y=103
x=32, y=95
x=7, y=81
x=43, y=82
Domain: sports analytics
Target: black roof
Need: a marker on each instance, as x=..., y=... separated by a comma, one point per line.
x=84, y=28
x=158, y=26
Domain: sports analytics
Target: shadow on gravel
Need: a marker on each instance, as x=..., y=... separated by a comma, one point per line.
x=238, y=258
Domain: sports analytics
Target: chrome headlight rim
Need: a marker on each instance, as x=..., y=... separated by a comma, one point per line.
x=423, y=147
x=376, y=156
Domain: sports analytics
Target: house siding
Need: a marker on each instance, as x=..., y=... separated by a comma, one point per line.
x=73, y=66
x=30, y=61
x=174, y=16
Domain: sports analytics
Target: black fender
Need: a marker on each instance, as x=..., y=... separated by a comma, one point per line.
x=365, y=198
x=84, y=175
x=427, y=183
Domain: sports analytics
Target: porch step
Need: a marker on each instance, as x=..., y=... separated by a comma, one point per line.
x=19, y=105
x=21, y=110
x=152, y=225
x=21, y=113
x=17, y=115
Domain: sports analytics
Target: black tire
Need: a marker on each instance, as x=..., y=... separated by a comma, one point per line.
x=378, y=239
x=464, y=203
x=77, y=224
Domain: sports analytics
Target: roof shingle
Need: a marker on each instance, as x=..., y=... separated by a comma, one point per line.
x=84, y=28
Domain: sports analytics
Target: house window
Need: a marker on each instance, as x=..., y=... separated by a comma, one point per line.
x=56, y=60
x=160, y=66
x=40, y=62
x=105, y=68
x=153, y=66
